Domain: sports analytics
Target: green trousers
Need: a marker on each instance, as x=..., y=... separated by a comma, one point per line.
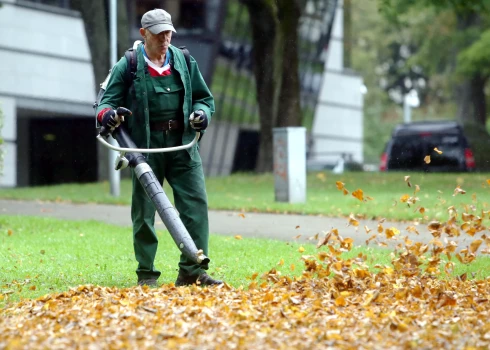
x=186, y=178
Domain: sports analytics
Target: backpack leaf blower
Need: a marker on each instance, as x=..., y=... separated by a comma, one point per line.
x=132, y=156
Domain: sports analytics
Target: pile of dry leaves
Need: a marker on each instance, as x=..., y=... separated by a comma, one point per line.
x=335, y=303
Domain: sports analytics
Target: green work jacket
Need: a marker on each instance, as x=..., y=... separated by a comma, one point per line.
x=196, y=96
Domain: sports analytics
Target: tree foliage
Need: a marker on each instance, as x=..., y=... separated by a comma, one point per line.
x=400, y=45
x=392, y=9
x=450, y=45
x=475, y=59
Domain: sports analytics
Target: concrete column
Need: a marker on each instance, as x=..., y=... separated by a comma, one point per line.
x=8, y=150
x=290, y=164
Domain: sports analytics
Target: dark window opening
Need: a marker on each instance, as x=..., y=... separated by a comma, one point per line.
x=192, y=14
x=186, y=14
x=61, y=151
x=57, y=3
x=144, y=6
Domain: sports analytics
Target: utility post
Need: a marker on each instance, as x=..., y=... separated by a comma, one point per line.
x=114, y=175
x=290, y=164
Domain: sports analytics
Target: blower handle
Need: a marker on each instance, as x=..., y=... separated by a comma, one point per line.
x=145, y=150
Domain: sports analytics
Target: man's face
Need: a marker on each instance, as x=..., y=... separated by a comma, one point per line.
x=157, y=43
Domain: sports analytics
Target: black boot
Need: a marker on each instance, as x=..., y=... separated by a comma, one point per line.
x=150, y=282
x=201, y=280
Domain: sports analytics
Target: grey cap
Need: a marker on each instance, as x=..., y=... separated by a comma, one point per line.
x=157, y=21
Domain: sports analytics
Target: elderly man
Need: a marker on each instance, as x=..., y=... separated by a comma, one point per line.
x=170, y=102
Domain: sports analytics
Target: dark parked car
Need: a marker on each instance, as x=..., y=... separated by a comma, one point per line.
x=412, y=142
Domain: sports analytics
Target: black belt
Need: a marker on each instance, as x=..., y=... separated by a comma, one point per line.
x=172, y=124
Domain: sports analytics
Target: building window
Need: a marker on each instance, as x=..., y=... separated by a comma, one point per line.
x=57, y=3
x=144, y=6
x=192, y=14
x=186, y=14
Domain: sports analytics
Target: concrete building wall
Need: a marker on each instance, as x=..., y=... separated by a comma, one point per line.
x=31, y=30
x=338, y=123
x=217, y=148
x=46, y=71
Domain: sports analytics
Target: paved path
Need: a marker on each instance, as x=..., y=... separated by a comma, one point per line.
x=274, y=226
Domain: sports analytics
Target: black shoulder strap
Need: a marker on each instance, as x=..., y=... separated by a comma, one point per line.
x=130, y=55
x=187, y=56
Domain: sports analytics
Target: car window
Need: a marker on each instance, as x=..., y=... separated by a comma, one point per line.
x=409, y=151
x=406, y=152
x=451, y=146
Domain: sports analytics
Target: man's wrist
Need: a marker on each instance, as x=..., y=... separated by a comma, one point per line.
x=101, y=114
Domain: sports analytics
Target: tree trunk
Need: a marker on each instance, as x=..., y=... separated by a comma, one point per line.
x=463, y=101
x=263, y=23
x=95, y=17
x=470, y=94
x=276, y=62
x=479, y=100
x=288, y=108
x=95, y=20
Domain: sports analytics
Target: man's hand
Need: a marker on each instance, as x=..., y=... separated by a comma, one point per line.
x=199, y=120
x=109, y=119
x=112, y=118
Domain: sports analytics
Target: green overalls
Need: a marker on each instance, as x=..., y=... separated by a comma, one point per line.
x=184, y=175
x=168, y=97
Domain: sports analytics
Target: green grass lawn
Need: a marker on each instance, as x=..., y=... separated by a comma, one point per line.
x=44, y=255
x=252, y=192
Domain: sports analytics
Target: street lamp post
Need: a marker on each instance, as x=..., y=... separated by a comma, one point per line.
x=410, y=100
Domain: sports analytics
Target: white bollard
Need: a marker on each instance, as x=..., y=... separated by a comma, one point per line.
x=290, y=164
